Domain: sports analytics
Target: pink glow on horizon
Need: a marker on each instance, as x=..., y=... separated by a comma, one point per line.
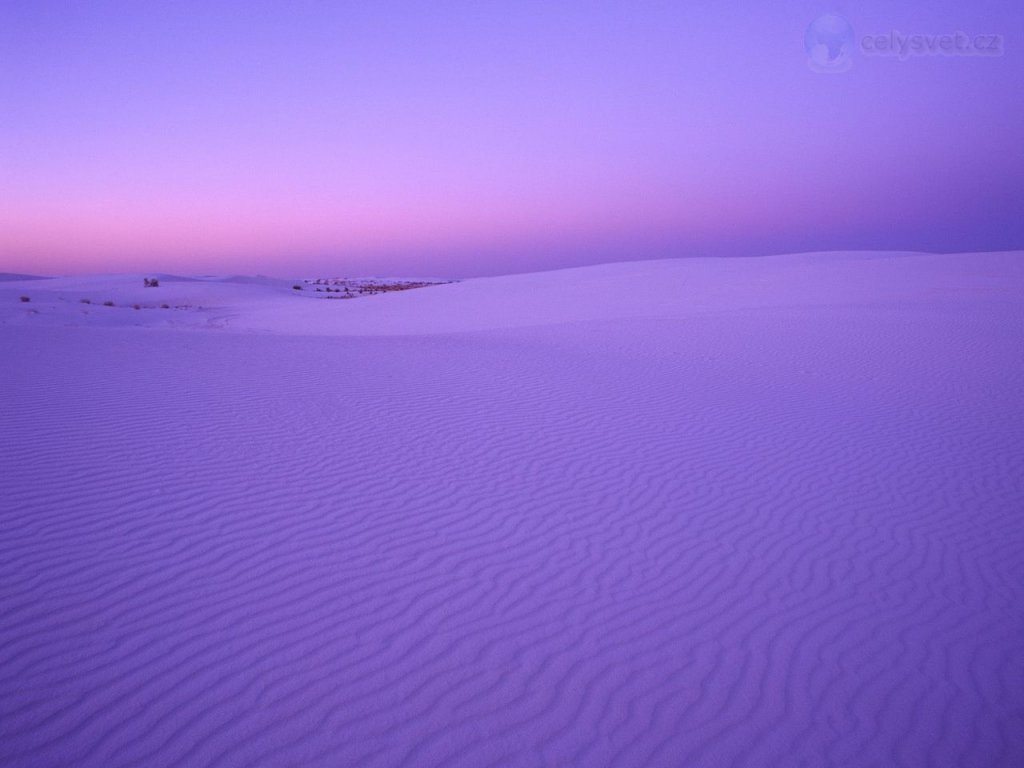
x=473, y=141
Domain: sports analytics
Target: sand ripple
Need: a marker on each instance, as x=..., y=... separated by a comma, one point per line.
x=783, y=537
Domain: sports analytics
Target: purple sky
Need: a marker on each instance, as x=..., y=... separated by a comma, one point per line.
x=465, y=138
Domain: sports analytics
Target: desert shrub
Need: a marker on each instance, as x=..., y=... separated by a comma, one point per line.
x=150, y=282
x=24, y=298
x=85, y=301
x=136, y=306
x=296, y=287
x=165, y=306
x=108, y=303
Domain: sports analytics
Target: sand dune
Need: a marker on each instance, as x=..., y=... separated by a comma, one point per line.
x=711, y=512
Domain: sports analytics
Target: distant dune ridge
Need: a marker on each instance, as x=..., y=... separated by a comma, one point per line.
x=8, y=276
x=761, y=512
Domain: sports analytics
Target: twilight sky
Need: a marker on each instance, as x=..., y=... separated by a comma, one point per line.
x=467, y=138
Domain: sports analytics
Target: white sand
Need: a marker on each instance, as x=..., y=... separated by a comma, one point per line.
x=703, y=512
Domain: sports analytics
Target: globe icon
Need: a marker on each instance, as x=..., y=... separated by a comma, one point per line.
x=829, y=44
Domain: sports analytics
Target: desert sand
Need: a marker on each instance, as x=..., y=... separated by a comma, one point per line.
x=702, y=512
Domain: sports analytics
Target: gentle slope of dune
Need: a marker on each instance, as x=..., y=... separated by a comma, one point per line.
x=737, y=512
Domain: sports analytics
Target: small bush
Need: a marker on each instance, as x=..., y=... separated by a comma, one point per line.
x=136, y=306
x=24, y=299
x=150, y=282
x=165, y=306
x=296, y=287
x=85, y=301
x=108, y=303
